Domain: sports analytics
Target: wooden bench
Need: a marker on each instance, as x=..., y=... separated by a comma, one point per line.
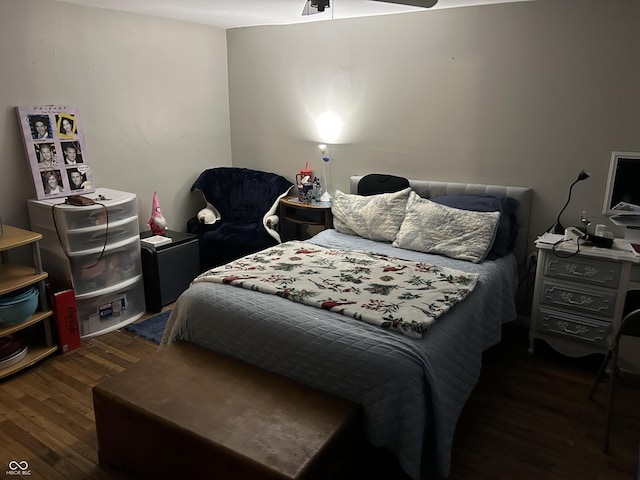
x=187, y=412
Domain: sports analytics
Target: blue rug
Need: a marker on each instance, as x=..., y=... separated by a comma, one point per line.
x=152, y=328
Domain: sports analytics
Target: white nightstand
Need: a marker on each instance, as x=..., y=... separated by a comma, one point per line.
x=579, y=300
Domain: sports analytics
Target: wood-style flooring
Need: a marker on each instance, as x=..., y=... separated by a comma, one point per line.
x=528, y=418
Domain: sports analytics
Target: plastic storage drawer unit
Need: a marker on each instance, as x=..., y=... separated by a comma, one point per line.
x=94, y=250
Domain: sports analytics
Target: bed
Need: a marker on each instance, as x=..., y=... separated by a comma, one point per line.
x=412, y=390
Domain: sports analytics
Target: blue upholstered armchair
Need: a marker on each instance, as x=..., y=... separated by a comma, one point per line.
x=240, y=216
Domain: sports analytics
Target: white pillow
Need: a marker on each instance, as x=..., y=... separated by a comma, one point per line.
x=376, y=217
x=433, y=228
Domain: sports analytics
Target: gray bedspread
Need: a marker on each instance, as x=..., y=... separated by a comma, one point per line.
x=412, y=390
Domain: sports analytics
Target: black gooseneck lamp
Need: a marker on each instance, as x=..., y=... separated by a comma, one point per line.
x=557, y=227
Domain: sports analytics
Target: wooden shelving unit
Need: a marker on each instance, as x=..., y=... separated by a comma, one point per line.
x=14, y=276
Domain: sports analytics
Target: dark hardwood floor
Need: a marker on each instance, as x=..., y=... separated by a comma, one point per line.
x=528, y=418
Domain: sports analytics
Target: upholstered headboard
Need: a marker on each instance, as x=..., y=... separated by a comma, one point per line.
x=428, y=189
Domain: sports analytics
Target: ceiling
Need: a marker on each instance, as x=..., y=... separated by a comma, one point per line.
x=243, y=13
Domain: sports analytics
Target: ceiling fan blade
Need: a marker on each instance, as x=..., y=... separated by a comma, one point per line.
x=413, y=3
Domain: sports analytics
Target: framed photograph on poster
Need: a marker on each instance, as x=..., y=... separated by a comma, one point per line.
x=55, y=146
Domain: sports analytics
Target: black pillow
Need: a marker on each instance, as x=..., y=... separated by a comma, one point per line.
x=376, y=183
x=507, y=226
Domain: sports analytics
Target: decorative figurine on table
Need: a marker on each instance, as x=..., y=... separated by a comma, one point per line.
x=157, y=222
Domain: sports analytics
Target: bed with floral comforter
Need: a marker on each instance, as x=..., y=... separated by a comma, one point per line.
x=412, y=387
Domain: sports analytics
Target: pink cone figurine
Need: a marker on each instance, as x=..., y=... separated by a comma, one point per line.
x=157, y=222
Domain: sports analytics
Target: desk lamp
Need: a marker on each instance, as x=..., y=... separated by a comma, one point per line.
x=557, y=227
x=326, y=197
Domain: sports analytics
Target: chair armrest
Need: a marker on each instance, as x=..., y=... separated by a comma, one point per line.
x=208, y=215
x=271, y=219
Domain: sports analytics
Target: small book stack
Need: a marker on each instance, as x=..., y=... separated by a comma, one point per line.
x=156, y=240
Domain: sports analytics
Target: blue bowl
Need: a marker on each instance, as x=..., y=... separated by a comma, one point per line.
x=17, y=295
x=20, y=310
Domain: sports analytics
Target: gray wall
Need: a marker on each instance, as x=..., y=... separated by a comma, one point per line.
x=152, y=95
x=524, y=93
x=521, y=94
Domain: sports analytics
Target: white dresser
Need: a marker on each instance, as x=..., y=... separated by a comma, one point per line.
x=95, y=250
x=579, y=300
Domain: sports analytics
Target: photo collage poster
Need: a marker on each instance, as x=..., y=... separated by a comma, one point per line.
x=55, y=146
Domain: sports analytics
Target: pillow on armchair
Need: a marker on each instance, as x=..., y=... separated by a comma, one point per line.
x=242, y=203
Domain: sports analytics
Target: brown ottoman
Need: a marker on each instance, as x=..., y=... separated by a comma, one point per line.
x=187, y=412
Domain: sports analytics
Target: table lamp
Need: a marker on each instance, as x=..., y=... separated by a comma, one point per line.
x=557, y=227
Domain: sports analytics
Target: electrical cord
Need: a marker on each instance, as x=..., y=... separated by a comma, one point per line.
x=529, y=287
x=556, y=245
x=106, y=233
x=528, y=272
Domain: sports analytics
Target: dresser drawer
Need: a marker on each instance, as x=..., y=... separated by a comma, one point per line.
x=95, y=270
x=583, y=269
x=575, y=327
x=106, y=308
x=113, y=206
x=578, y=298
x=100, y=236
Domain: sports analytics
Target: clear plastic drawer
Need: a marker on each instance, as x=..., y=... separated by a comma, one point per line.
x=91, y=272
x=89, y=238
x=104, y=310
x=111, y=206
x=92, y=269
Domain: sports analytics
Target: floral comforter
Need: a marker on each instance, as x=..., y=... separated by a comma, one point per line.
x=388, y=292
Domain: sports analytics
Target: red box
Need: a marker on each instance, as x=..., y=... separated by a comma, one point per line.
x=65, y=314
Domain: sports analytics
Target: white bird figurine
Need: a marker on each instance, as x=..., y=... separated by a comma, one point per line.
x=157, y=222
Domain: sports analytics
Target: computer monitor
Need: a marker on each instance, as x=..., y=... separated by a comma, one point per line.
x=623, y=183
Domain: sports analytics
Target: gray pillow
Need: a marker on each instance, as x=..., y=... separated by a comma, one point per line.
x=433, y=228
x=376, y=217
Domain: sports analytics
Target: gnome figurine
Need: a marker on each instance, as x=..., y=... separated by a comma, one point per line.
x=157, y=222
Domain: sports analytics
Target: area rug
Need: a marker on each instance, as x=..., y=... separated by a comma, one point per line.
x=151, y=328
